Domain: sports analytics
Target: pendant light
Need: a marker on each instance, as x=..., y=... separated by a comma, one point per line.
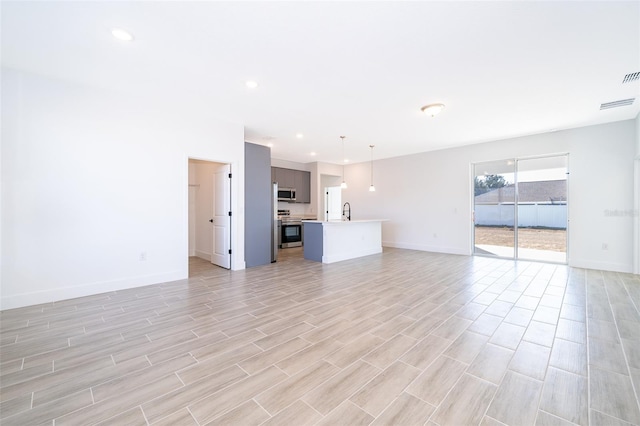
x=343, y=185
x=372, y=188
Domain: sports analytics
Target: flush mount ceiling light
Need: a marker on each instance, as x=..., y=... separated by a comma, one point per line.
x=122, y=35
x=251, y=84
x=343, y=185
x=432, y=109
x=299, y=135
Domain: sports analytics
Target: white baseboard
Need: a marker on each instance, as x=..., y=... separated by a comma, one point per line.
x=351, y=255
x=576, y=263
x=424, y=247
x=64, y=293
x=238, y=266
x=601, y=266
x=203, y=255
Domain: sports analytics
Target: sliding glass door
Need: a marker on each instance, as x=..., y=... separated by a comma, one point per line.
x=494, y=208
x=520, y=208
x=542, y=209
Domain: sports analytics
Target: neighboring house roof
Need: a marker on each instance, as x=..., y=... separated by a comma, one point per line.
x=547, y=191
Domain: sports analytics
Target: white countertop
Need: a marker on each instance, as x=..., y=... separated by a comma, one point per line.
x=344, y=222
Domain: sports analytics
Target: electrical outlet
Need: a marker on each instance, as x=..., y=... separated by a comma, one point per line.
x=605, y=246
x=143, y=256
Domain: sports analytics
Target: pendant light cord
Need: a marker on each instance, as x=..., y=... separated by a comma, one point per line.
x=344, y=184
x=371, y=146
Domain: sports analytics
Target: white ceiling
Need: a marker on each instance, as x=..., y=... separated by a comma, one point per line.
x=360, y=69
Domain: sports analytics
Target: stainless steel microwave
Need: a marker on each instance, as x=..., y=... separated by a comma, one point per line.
x=286, y=194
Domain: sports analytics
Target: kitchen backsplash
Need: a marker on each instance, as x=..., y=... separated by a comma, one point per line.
x=296, y=209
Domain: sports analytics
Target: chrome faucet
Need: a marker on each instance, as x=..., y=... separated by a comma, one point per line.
x=346, y=211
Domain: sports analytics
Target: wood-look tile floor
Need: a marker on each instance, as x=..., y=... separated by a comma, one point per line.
x=400, y=338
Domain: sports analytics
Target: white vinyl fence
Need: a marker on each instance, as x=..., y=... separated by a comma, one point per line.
x=529, y=215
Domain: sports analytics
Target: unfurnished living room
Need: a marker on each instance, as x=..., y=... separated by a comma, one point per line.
x=333, y=213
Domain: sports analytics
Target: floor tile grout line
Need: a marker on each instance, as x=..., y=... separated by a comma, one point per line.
x=560, y=418
x=624, y=353
x=224, y=412
x=498, y=385
x=267, y=411
x=453, y=387
x=445, y=349
x=546, y=371
x=466, y=302
x=612, y=416
x=587, y=339
x=514, y=352
x=633, y=302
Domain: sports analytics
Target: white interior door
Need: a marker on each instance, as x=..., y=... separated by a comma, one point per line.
x=333, y=207
x=221, y=253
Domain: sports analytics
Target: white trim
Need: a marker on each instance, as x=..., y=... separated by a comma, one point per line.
x=350, y=255
x=204, y=255
x=636, y=215
x=601, y=266
x=64, y=293
x=424, y=247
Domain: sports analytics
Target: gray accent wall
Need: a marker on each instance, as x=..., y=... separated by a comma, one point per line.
x=258, y=205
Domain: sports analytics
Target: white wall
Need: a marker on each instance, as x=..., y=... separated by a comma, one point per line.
x=637, y=135
x=636, y=203
x=91, y=179
x=427, y=197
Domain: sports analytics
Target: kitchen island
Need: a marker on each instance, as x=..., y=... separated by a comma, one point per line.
x=334, y=241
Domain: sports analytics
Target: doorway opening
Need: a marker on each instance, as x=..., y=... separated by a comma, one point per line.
x=209, y=215
x=520, y=208
x=332, y=209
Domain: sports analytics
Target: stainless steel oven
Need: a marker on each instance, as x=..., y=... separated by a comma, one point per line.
x=291, y=233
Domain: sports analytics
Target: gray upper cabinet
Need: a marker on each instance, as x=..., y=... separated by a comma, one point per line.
x=303, y=187
x=285, y=177
x=297, y=179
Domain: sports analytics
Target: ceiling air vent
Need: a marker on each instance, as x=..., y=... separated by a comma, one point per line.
x=616, y=104
x=634, y=76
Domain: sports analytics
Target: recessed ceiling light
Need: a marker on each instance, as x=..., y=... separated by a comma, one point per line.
x=251, y=84
x=299, y=135
x=122, y=35
x=432, y=109
x=313, y=154
x=346, y=160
